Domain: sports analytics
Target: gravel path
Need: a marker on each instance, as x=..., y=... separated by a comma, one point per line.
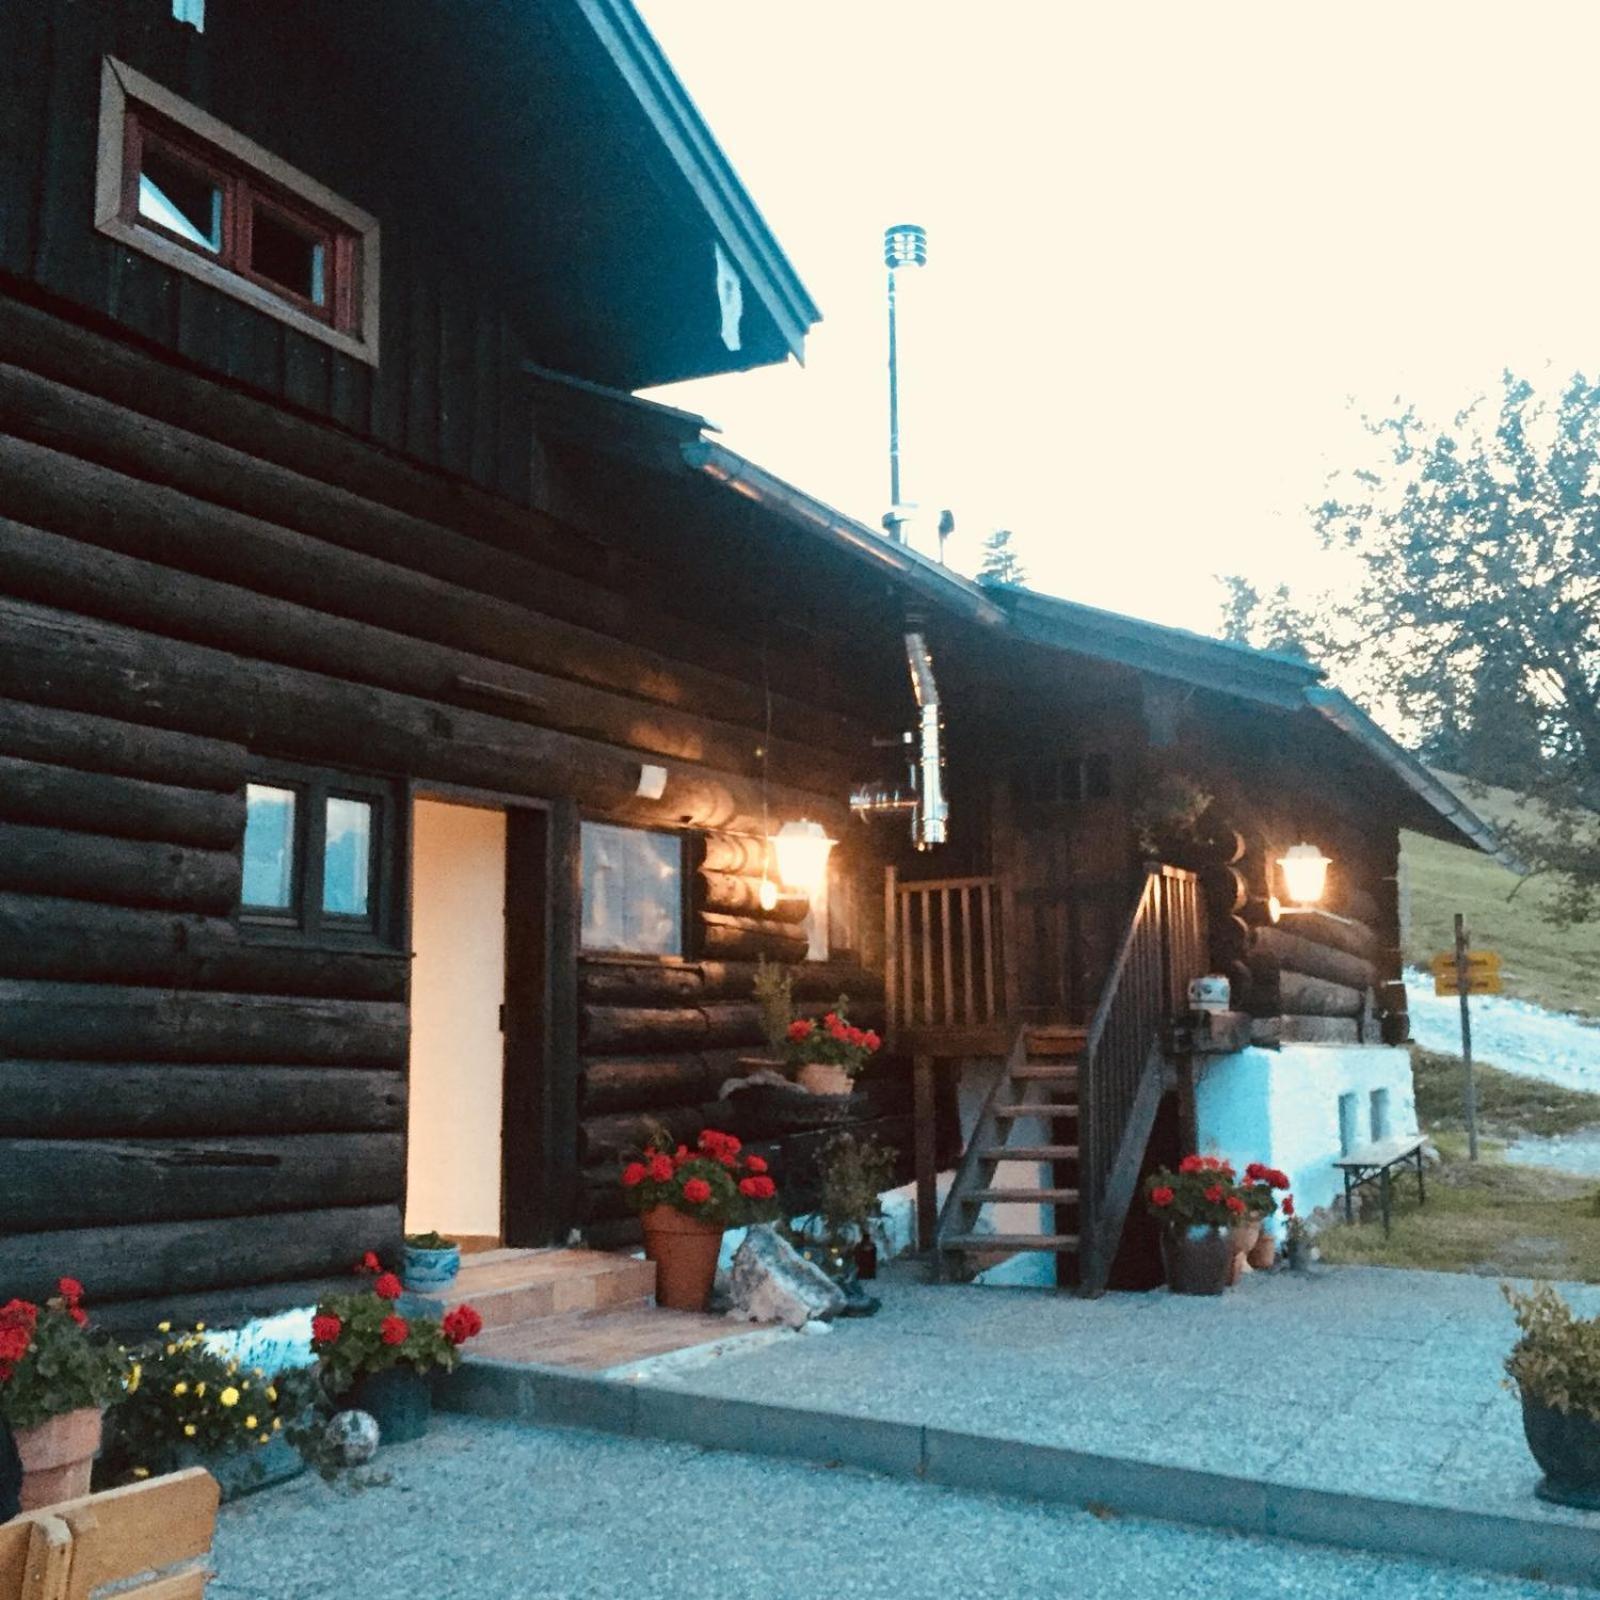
x=495, y=1511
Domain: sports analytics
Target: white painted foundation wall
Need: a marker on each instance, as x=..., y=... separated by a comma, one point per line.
x=1282, y=1107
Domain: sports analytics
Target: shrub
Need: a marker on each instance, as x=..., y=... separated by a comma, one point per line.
x=1556, y=1362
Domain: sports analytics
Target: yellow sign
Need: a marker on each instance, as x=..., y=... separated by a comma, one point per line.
x=1483, y=972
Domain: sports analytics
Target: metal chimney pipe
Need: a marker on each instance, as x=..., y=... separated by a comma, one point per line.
x=904, y=245
x=930, y=822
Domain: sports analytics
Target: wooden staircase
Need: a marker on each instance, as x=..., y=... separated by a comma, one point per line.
x=1031, y=1115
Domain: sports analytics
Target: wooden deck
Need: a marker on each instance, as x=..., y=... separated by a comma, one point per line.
x=586, y=1309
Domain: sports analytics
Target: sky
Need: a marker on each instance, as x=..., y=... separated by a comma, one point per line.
x=1175, y=252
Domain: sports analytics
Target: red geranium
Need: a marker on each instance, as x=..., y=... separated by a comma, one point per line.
x=1202, y=1192
x=78, y=1315
x=696, y=1191
x=1235, y=1204
x=633, y=1173
x=1161, y=1196
x=800, y=1030
x=368, y=1263
x=757, y=1188
x=394, y=1330
x=709, y=1182
x=325, y=1329
x=1190, y=1164
x=1288, y=1205
x=387, y=1287
x=70, y=1290
x=661, y=1169
x=462, y=1323
x=755, y=1164
x=1214, y=1194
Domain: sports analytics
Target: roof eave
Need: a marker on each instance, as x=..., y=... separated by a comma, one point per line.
x=738, y=224
x=1352, y=721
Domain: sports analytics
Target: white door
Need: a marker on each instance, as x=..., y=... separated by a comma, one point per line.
x=458, y=976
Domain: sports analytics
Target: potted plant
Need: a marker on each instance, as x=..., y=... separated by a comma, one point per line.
x=1259, y=1193
x=1296, y=1237
x=429, y=1262
x=1555, y=1366
x=854, y=1173
x=686, y=1201
x=827, y=1056
x=373, y=1359
x=1198, y=1207
x=191, y=1404
x=56, y=1380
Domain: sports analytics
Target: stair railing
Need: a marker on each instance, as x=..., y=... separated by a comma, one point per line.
x=1123, y=1065
x=943, y=957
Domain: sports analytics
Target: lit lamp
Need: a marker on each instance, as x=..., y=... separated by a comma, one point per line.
x=802, y=849
x=1305, y=873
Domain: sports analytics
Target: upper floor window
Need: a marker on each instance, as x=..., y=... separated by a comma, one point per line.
x=176, y=184
x=632, y=890
x=319, y=851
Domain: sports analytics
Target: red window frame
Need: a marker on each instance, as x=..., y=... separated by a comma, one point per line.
x=244, y=193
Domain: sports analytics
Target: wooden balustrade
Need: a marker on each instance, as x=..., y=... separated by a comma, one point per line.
x=944, y=966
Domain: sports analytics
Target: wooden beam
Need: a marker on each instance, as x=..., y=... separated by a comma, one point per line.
x=141, y=1099
x=1314, y=958
x=42, y=795
x=1303, y=996
x=130, y=872
x=56, y=1183
x=926, y=1153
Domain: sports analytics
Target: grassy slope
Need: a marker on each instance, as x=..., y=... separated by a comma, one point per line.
x=1558, y=968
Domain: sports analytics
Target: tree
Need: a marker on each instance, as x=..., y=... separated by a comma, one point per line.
x=1474, y=614
x=1000, y=562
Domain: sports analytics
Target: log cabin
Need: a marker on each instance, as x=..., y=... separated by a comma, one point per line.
x=396, y=711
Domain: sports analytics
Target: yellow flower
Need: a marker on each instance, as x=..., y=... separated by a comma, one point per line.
x=172, y=1349
x=141, y=1472
x=199, y=1327
x=163, y=1327
x=244, y=1385
x=264, y=1438
x=199, y=1391
x=251, y=1423
x=272, y=1393
x=135, y=1373
x=188, y=1430
x=229, y=1396
x=180, y=1388
x=277, y=1422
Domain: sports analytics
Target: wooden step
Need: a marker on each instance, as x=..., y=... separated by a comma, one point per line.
x=509, y=1287
x=984, y=1197
x=1030, y=1152
x=1052, y=1109
x=1043, y=1072
x=1011, y=1241
x=1056, y=1041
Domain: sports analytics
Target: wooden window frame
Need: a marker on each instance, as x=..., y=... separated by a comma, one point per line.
x=135, y=111
x=305, y=920
x=683, y=953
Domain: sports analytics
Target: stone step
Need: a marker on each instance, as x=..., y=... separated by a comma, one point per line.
x=1030, y=1152
x=507, y=1287
x=595, y=1341
x=984, y=1197
x=1050, y=1109
x=1058, y=1242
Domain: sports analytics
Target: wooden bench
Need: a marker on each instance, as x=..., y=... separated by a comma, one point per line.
x=158, y=1532
x=1370, y=1161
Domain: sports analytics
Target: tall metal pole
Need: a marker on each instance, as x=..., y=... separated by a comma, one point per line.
x=894, y=409
x=1462, y=941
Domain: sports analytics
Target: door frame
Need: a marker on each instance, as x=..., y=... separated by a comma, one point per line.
x=539, y=1011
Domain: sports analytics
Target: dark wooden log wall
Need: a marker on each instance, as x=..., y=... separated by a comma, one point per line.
x=190, y=579
x=660, y=1039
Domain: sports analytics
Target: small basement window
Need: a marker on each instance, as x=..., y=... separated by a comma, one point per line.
x=319, y=854
x=176, y=184
x=632, y=890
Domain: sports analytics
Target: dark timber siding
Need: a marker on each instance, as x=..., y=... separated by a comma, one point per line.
x=191, y=578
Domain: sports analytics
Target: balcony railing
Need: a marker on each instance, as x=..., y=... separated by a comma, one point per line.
x=945, y=954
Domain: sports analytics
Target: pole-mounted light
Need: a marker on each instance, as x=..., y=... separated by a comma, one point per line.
x=904, y=245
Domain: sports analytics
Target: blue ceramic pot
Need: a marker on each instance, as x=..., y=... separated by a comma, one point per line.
x=427, y=1270
x=398, y=1399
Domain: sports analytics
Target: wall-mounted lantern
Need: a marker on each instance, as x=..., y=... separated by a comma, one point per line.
x=802, y=850
x=1305, y=873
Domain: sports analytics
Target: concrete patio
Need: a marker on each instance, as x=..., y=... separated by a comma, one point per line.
x=1357, y=1406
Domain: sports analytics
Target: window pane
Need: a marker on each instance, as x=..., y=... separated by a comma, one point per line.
x=632, y=890
x=181, y=198
x=347, y=857
x=287, y=256
x=269, y=834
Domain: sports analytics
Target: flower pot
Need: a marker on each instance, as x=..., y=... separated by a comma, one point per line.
x=1567, y=1446
x=423, y=1271
x=685, y=1252
x=1198, y=1257
x=1244, y=1239
x=57, y=1455
x=822, y=1077
x=398, y=1399
x=1263, y=1252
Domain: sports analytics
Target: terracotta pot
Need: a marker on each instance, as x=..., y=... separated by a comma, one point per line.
x=685, y=1252
x=1567, y=1446
x=1198, y=1258
x=1243, y=1239
x=822, y=1077
x=57, y=1456
x=1263, y=1252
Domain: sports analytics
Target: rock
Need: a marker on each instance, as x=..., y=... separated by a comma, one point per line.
x=353, y=1437
x=770, y=1281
